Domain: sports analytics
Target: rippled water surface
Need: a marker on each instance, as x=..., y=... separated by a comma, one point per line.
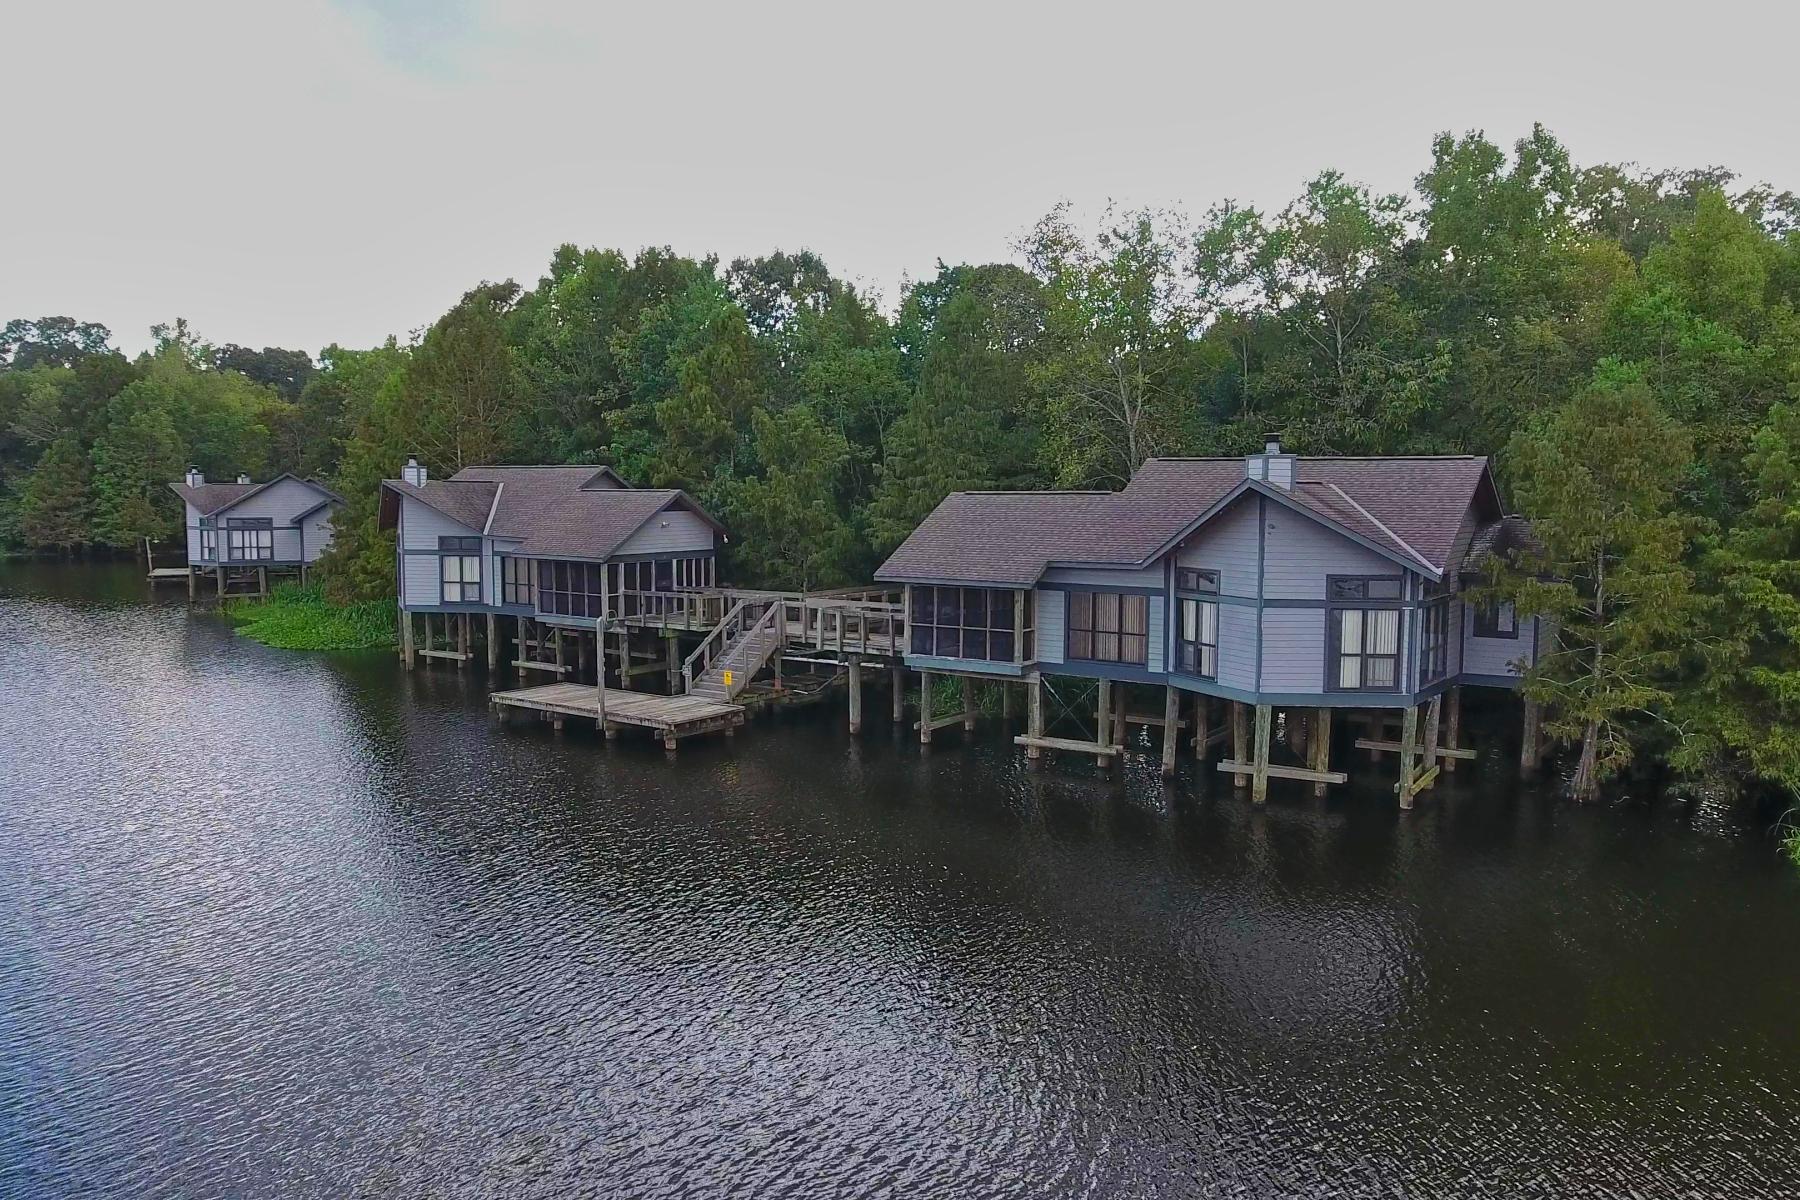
x=276, y=924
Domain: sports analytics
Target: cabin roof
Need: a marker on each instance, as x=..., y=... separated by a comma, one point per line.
x=210, y=499
x=1408, y=508
x=552, y=511
x=1507, y=538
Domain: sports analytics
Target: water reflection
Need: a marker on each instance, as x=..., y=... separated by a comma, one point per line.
x=276, y=924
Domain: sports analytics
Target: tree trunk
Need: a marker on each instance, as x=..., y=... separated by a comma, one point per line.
x=1587, y=771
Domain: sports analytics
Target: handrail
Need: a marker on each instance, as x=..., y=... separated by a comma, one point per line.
x=687, y=666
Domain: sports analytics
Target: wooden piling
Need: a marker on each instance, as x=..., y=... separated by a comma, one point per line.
x=1530, y=747
x=1103, y=722
x=1433, y=713
x=856, y=696
x=898, y=699
x=1171, y=739
x=493, y=642
x=1034, y=720
x=408, y=647
x=1202, y=734
x=1321, y=747
x=1240, y=741
x=1453, y=726
x=925, y=708
x=968, y=701
x=1409, y=743
x=1259, y=790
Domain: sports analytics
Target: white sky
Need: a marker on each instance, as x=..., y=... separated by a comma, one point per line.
x=300, y=173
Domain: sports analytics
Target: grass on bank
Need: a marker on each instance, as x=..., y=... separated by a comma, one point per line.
x=301, y=618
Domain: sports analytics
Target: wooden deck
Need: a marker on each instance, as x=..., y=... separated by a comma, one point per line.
x=671, y=716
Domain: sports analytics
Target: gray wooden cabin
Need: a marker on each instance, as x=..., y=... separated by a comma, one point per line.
x=1271, y=581
x=244, y=528
x=559, y=546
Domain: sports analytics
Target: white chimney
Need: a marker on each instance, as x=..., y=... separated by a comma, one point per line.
x=414, y=474
x=193, y=478
x=1271, y=466
x=243, y=478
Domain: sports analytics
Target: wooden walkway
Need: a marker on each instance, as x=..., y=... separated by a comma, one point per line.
x=672, y=716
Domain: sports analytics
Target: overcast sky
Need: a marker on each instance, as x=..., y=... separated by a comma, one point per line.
x=310, y=172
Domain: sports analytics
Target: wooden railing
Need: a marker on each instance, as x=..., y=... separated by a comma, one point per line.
x=844, y=626
x=686, y=609
x=713, y=645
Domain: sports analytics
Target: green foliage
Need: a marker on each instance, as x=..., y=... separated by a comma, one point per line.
x=791, y=516
x=303, y=618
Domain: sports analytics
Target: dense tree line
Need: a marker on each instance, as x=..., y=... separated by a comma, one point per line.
x=1623, y=342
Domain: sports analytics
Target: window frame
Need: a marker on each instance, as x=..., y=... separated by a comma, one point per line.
x=1352, y=593
x=1197, y=650
x=1434, y=640
x=465, y=552
x=1487, y=617
x=1089, y=637
x=513, y=589
x=238, y=540
x=209, y=540
x=992, y=638
x=1197, y=580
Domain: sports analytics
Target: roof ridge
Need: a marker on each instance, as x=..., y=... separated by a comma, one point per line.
x=1033, y=492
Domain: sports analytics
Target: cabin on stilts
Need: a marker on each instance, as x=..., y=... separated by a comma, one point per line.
x=241, y=534
x=1261, y=596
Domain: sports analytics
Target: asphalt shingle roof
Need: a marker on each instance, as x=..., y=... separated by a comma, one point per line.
x=209, y=498
x=1402, y=504
x=574, y=512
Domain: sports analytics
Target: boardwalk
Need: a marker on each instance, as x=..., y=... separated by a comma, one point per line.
x=672, y=716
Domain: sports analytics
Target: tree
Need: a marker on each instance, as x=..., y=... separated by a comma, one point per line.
x=461, y=388
x=1118, y=321
x=287, y=371
x=1739, y=705
x=134, y=461
x=1598, y=478
x=793, y=532
x=53, y=505
x=50, y=342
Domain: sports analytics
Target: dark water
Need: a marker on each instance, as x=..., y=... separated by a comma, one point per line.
x=278, y=924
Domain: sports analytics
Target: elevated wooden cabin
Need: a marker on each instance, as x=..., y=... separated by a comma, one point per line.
x=247, y=529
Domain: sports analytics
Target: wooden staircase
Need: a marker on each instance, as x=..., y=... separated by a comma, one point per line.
x=738, y=647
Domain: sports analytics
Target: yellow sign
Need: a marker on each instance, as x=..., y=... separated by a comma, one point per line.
x=728, y=679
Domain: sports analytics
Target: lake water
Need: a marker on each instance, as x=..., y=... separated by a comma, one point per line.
x=302, y=925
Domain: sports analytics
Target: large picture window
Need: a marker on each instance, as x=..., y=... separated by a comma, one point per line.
x=569, y=589
x=459, y=570
x=959, y=622
x=518, y=581
x=1109, y=627
x=250, y=539
x=1368, y=649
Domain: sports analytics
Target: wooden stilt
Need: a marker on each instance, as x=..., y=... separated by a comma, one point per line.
x=925, y=708
x=1034, y=720
x=462, y=641
x=856, y=696
x=493, y=642
x=1433, y=712
x=1240, y=741
x=1321, y=747
x=968, y=698
x=1103, y=722
x=220, y=573
x=1453, y=727
x=1005, y=701
x=1202, y=733
x=624, y=659
x=898, y=698
x=672, y=661
x=193, y=585
x=1259, y=788
x=262, y=581
x=1171, y=739
x=1530, y=748
x=408, y=650
x=559, y=653
x=1299, y=730
x=1409, y=740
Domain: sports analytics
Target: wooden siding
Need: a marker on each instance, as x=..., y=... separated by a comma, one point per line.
x=1049, y=607
x=1159, y=634
x=1293, y=650
x=318, y=532
x=1300, y=553
x=420, y=581
x=193, y=532
x=668, y=532
x=1226, y=544
x=1493, y=656
x=280, y=502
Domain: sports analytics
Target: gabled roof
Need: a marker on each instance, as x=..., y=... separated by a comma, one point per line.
x=1409, y=509
x=551, y=511
x=210, y=499
x=1510, y=539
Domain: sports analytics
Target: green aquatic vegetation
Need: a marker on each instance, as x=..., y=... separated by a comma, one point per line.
x=301, y=618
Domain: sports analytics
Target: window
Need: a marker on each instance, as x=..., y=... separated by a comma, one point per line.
x=1109, y=627
x=518, y=581
x=1496, y=620
x=1197, y=647
x=1434, y=641
x=209, y=541
x=958, y=622
x=693, y=573
x=1363, y=587
x=1190, y=579
x=250, y=539
x=459, y=570
x=569, y=589
x=1368, y=649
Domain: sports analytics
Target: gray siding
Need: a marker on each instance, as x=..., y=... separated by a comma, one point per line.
x=1148, y=577
x=1227, y=544
x=280, y=503
x=421, y=526
x=668, y=532
x=193, y=532
x=317, y=533
x=1049, y=626
x=1301, y=553
x=1293, y=650
x=1237, y=646
x=1159, y=633
x=1493, y=656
